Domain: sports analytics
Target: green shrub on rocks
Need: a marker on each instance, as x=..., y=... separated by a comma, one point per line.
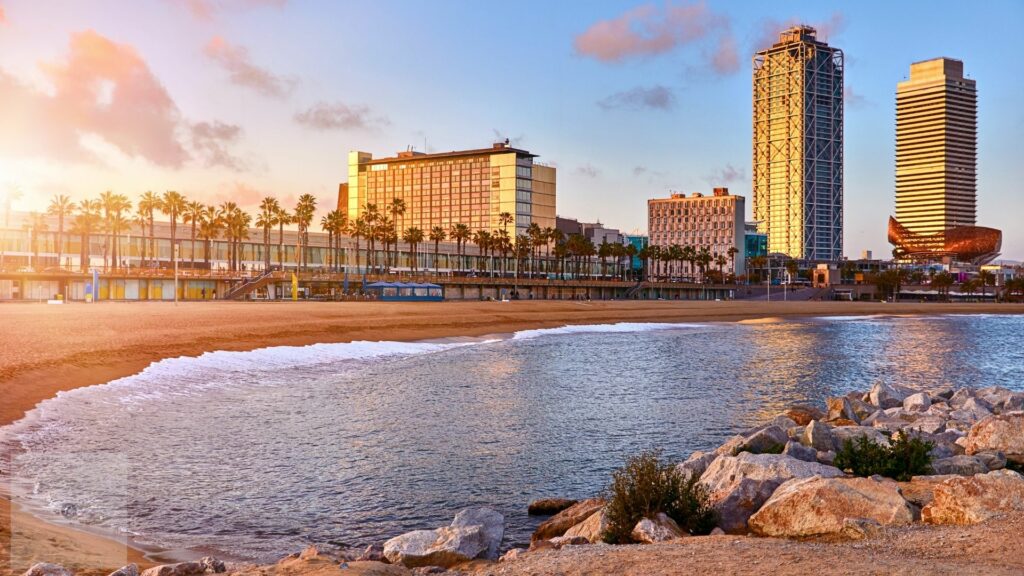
x=644, y=487
x=905, y=456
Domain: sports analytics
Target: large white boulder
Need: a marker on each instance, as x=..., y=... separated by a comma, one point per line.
x=1003, y=433
x=492, y=523
x=974, y=499
x=444, y=547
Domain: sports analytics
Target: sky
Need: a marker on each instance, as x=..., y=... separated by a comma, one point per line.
x=239, y=99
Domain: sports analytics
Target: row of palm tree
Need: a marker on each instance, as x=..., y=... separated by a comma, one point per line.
x=667, y=261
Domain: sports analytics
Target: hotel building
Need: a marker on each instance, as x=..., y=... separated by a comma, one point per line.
x=471, y=187
x=936, y=148
x=714, y=222
x=798, y=146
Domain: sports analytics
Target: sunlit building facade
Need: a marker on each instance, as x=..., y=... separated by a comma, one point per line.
x=471, y=187
x=936, y=149
x=798, y=146
x=713, y=222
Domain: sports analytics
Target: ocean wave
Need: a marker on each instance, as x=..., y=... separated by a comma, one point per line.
x=602, y=328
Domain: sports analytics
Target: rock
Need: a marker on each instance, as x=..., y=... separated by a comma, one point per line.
x=919, y=402
x=853, y=433
x=1013, y=404
x=179, y=569
x=559, y=523
x=440, y=547
x=784, y=422
x=492, y=523
x=129, y=570
x=812, y=506
x=960, y=396
x=974, y=499
x=717, y=532
x=800, y=452
x=930, y=424
x=1003, y=433
x=994, y=396
x=560, y=541
x=827, y=458
x=738, y=485
x=47, y=569
x=919, y=491
x=427, y=570
x=513, y=554
x=886, y=396
x=839, y=407
x=960, y=465
x=770, y=440
x=818, y=436
x=943, y=392
x=861, y=409
x=548, y=506
x=309, y=552
x=543, y=545
x=732, y=446
x=592, y=528
x=859, y=528
x=661, y=528
x=802, y=414
x=373, y=553
x=213, y=565
x=696, y=464
x=972, y=411
x=992, y=460
x=843, y=422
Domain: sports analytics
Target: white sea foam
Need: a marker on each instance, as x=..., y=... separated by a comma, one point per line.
x=602, y=328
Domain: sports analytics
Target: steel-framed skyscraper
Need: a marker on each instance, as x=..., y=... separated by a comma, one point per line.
x=798, y=146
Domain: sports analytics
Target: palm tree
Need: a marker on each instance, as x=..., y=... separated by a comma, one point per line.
x=230, y=214
x=148, y=204
x=505, y=218
x=986, y=278
x=536, y=237
x=504, y=244
x=630, y=252
x=482, y=239
x=282, y=217
x=267, y=219
x=193, y=214
x=437, y=235
x=108, y=202
x=304, y=211
x=140, y=220
x=85, y=224
x=210, y=225
x=397, y=210
x=173, y=204
x=60, y=206
x=721, y=261
x=371, y=216
x=553, y=236
x=413, y=236
x=358, y=229
x=35, y=224
x=334, y=224
x=604, y=251
x=461, y=234
x=704, y=259
x=732, y=252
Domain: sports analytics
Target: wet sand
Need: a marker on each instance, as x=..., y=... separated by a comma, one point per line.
x=47, y=349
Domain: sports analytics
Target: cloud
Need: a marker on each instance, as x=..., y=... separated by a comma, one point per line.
x=853, y=99
x=639, y=170
x=206, y=9
x=3, y=16
x=648, y=30
x=242, y=72
x=104, y=97
x=656, y=97
x=211, y=141
x=588, y=170
x=769, y=29
x=241, y=193
x=728, y=175
x=103, y=89
x=339, y=116
x=725, y=59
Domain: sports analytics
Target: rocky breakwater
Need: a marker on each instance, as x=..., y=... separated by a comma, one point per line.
x=944, y=456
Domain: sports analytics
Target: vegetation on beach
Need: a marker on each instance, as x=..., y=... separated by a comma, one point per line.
x=645, y=486
x=905, y=457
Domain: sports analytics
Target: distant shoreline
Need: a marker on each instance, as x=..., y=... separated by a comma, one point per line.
x=51, y=349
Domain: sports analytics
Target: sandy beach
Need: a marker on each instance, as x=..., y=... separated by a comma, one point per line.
x=48, y=349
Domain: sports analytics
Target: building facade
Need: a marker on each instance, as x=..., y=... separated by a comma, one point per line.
x=471, y=187
x=798, y=146
x=713, y=222
x=936, y=148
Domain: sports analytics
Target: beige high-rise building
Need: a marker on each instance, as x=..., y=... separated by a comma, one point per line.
x=936, y=148
x=472, y=187
x=714, y=222
x=798, y=146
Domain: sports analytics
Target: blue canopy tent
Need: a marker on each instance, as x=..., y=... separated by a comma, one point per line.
x=405, y=291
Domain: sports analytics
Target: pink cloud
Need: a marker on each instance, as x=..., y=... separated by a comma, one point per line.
x=339, y=116
x=726, y=59
x=3, y=16
x=235, y=60
x=103, y=88
x=205, y=9
x=647, y=31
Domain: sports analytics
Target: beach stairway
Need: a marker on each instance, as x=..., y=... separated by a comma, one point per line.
x=245, y=288
x=632, y=292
